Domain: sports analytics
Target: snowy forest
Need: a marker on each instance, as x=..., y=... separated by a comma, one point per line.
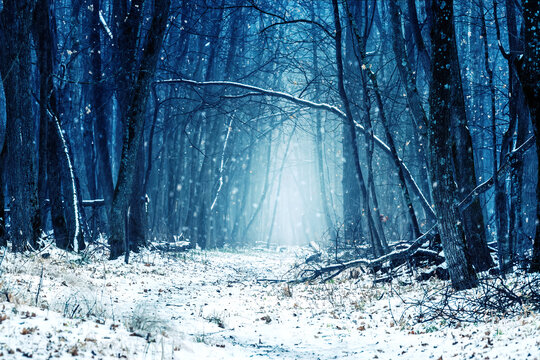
x=354, y=156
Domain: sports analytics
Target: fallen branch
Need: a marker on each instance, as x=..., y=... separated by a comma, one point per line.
x=433, y=255
x=40, y=283
x=397, y=257
x=272, y=281
x=494, y=297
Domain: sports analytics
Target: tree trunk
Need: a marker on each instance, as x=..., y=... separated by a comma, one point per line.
x=3, y=234
x=464, y=166
x=528, y=68
x=353, y=213
x=189, y=224
x=501, y=211
x=49, y=161
x=137, y=221
x=445, y=193
x=98, y=96
x=243, y=200
x=519, y=123
x=266, y=186
x=406, y=74
x=172, y=149
x=42, y=135
x=366, y=72
x=372, y=206
x=399, y=170
x=62, y=184
x=349, y=123
x=423, y=54
x=133, y=127
x=16, y=70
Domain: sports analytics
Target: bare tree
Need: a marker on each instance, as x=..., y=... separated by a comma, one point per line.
x=134, y=126
x=445, y=190
x=16, y=70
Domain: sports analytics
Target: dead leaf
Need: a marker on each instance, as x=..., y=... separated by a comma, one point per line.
x=28, y=331
x=74, y=350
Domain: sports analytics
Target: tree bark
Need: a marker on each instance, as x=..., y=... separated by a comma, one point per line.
x=3, y=233
x=407, y=77
x=98, y=96
x=137, y=222
x=16, y=70
x=66, y=212
x=519, y=123
x=133, y=127
x=528, y=68
x=63, y=189
x=362, y=13
x=353, y=214
x=454, y=243
x=464, y=166
x=423, y=54
x=49, y=160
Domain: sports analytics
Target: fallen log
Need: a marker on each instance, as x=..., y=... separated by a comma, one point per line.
x=429, y=254
x=396, y=257
x=438, y=272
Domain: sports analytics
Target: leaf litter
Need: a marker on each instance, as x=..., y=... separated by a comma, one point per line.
x=210, y=305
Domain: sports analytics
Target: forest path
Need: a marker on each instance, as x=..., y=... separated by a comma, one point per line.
x=209, y=305
x=222, y=303
x=217, y=301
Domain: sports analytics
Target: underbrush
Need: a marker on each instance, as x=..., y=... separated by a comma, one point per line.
x=144, y=322
x=493, y=298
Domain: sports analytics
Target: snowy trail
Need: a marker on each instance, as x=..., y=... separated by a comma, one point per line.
x=208, y=305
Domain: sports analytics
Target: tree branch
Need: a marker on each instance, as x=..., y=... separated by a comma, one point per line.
x=313, y=105
x=515, y=155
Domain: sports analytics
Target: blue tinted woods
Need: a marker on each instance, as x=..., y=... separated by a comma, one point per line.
x=385, y=132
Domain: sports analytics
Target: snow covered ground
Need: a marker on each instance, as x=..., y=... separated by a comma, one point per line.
x=209, y=305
